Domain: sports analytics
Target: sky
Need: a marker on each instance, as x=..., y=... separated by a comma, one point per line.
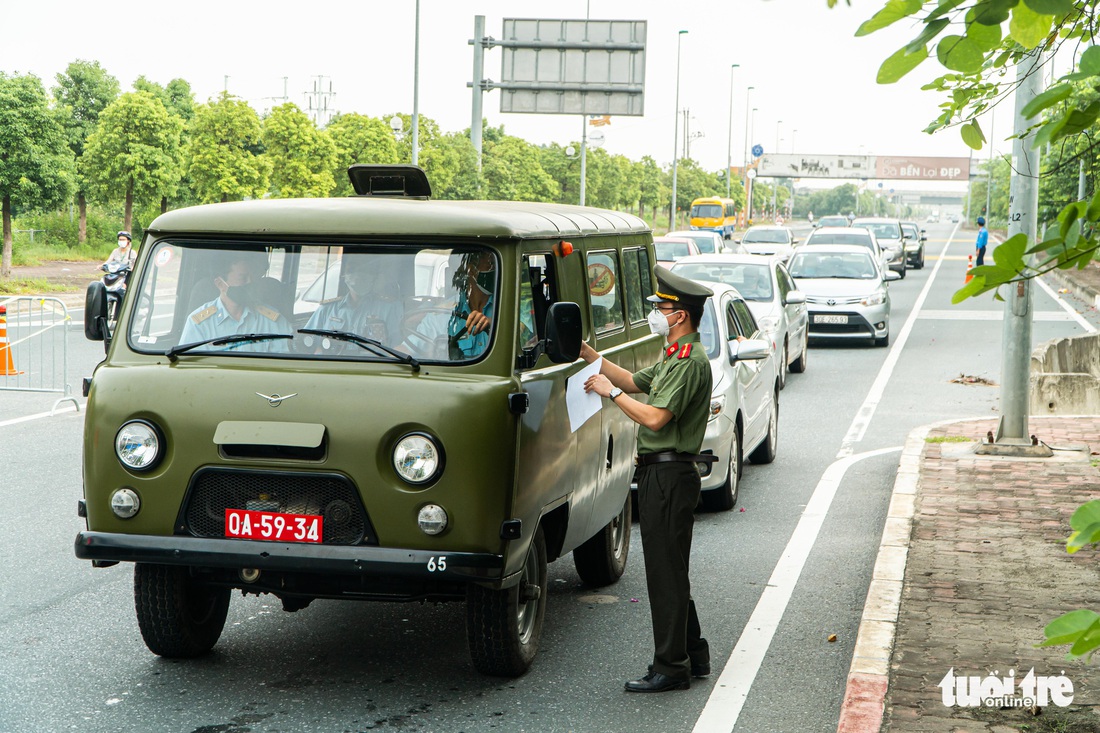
x=813, y=81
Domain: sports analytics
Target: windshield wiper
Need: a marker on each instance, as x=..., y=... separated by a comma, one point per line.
x=367, y=343
x=175, y=351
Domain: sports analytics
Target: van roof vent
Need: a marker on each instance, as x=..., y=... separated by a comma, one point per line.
x=404, y=181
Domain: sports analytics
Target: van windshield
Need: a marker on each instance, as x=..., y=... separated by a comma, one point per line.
x=369, y=303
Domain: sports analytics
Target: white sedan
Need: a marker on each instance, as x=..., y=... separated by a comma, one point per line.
x=744, y=405
x=772, y=296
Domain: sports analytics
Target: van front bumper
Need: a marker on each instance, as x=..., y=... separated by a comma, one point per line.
x=109, y=548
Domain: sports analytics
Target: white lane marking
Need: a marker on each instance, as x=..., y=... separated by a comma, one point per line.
x=867, y=409
x=965, y=315
x=1066, y=306
x=732, y=688
x=39, y=416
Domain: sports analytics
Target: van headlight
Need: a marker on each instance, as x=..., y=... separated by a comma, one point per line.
x=417, y=459
x=876, y=298
x=137, y=445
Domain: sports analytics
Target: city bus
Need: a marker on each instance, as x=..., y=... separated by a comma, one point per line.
x=716, y=214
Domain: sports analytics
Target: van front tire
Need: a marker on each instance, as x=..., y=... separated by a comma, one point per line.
x=179, y=617
x=503, y=627
x=601, y=560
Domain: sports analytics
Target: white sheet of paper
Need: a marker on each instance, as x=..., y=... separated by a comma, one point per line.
x=580, y=405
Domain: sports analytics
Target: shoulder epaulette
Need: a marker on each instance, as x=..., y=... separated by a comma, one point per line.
x=330, y=300
x=268, y=313
x=205, y=313
x=685, y=352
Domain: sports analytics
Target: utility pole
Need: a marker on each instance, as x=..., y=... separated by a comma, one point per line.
x=479, y=42
x=989, y=170
x=675, y=136
x=319, y=106
x=1023, y=212
x=416, y=91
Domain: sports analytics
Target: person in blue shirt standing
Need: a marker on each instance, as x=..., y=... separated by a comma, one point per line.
x=980, y=244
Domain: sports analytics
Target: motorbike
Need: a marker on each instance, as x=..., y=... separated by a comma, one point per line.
x=116, y=274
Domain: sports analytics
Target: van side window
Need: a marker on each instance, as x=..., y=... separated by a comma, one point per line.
x=538, y=290
x=634, y=284
x=604, y=290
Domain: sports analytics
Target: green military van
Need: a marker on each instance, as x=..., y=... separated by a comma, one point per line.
x=364, y=398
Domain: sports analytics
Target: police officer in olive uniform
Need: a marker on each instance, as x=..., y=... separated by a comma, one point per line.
x=671, y=435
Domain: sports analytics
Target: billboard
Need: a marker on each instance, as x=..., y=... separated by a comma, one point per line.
x=574, y=67
x=893, y=168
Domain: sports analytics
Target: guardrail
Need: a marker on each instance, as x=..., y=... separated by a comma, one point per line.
x=34, y=347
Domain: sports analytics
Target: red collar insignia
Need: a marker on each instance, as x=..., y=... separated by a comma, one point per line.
x=672, y=349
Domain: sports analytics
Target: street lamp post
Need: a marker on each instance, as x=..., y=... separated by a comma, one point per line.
x=675, y=136
x=775, y=183
x=752, y=128
x=416, y=92
x=745, y=157
x=729, y=139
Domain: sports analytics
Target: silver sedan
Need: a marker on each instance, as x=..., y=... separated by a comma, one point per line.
x=846, y=292
x=771, y=294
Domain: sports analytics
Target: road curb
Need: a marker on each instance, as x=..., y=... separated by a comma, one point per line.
x=1081, y=290
x=869, y=674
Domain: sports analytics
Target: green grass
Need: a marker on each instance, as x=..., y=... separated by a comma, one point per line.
x=28, y=256
x=30, y=287
x=949, y=439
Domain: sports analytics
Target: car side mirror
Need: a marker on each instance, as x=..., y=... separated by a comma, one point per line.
x=794, y=297
x=563, y=332
x=95, y=314
x=795, y=241
x=891, y=275
x=737, y=241
x=749, y=350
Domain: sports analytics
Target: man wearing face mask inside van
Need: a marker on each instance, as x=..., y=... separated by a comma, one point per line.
x=468, y=329
x=236, y=309
x=669, y=440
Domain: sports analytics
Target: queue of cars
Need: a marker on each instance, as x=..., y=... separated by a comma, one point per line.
x=769, y=301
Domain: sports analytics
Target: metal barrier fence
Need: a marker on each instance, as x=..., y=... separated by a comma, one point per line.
x=34, y=347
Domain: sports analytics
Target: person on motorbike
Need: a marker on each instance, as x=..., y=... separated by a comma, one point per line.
x=124, y=252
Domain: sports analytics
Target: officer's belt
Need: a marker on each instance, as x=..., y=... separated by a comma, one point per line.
x=671, y=456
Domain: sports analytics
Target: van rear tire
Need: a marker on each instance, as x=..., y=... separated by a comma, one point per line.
x=601, y=560
x=179, y=617
x=503, y=627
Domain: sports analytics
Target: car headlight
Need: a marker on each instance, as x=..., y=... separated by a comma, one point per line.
x=417, y=459
x=717, y=404
x=876, y=298
x=137, y=445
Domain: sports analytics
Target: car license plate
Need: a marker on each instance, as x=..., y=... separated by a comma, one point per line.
x=836, y=320
x=246, y=524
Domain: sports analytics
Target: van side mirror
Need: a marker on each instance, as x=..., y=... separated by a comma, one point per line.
x=95, y=314
x=563, y=332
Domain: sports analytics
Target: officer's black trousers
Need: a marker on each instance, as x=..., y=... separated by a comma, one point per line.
x=667, y=495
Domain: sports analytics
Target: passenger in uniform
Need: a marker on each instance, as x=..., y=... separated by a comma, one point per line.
x=671, y=435
x=367, y=309
x=236, y=310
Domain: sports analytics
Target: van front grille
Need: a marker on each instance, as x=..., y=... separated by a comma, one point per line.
x=331, y=496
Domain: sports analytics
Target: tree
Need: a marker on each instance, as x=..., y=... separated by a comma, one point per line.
x=180, y=102
x=81, y=95
x=133, y=153
x=994, y=36
x=225, y=163
x=36, y=163
x=654, y=185
x=513, y=171
x=454, y=154
x=302, y=157
x=359, y=139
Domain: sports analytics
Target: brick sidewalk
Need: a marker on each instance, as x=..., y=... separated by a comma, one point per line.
x=986, y=571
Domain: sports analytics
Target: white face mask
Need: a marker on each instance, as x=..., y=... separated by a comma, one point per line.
x=658, y=322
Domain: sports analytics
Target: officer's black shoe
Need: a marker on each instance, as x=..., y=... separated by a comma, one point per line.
x=697, y=670
x=657, y=682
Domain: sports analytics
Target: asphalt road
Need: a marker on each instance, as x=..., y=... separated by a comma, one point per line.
x=71, y=657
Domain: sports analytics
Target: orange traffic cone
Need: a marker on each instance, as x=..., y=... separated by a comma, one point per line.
x=7, y=365
x=969, y=267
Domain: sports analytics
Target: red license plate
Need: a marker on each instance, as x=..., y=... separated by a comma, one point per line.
x=274, y=526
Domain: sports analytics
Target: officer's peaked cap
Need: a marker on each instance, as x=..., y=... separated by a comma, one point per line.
x=672, y=288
